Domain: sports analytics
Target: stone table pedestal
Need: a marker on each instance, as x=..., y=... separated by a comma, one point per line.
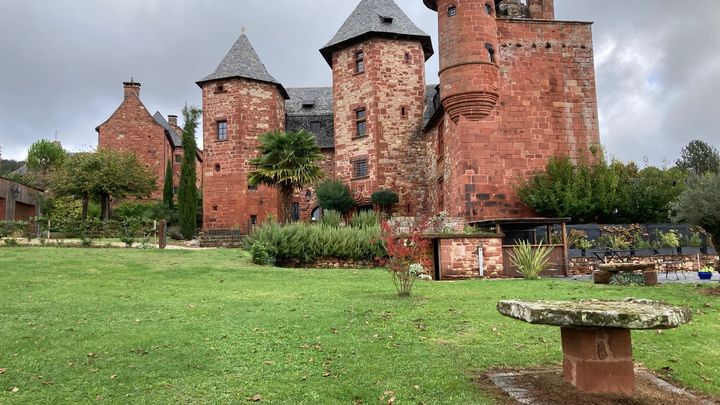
x=596, y=342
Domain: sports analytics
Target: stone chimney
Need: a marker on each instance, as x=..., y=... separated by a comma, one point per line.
x=132, y=87
x=172, y=119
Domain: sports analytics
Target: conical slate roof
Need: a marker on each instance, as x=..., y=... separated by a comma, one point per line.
x=242, y=61
x=376, y=18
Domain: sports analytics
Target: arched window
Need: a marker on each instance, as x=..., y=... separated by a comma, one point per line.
x=488, y=9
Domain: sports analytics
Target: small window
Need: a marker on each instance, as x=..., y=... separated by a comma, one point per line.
x=403, y=112
x=441, y=141
x=217, y=167
x=360, y=169
x=316, y=127
x=360, y=123
x=387, y=19
x=359, y=62
x=178, y=158
x=452, y=11
x=408, y=58
x=295, y=211
x=175, y=190
x=222, y=131
x=491, y=52
x=488, y=9
x=253, y=219
x=220, y=88
x=252, y=187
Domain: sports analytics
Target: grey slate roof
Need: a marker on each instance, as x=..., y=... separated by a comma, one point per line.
x=242, y=61
x=430, y=108
x=368, y=20
x=175, y=138
x=311, y=109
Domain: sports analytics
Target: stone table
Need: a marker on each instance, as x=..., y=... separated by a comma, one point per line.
x=596, y=343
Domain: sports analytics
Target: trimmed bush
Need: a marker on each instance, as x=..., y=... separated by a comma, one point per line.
x=334, y=195
x=386, y=199
x=306, y=243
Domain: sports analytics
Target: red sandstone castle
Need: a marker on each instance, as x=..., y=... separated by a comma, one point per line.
x=516, y=88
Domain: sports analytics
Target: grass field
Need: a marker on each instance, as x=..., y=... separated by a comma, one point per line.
x=133, y=326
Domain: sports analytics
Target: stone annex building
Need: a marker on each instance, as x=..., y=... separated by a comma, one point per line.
x=516, y=88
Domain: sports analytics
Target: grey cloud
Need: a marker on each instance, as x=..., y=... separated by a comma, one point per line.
x=63, y=61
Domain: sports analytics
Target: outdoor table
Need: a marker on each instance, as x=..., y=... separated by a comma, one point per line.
x=596, y=342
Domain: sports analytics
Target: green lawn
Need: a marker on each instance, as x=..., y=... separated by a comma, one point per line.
x=134, y=326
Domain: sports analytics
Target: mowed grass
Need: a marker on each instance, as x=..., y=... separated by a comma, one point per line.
x=133, y=326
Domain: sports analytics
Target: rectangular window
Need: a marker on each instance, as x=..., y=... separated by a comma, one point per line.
x=253, y=219
x=316, y=127
x=403, y=112
x=360, y=169
x=175, y=189
x=441, y=141
x=491, y=52
x=360, y=123
x=441, y=195
x=359, y=62
x=295, y=211
x=222, y=131
x=452, y=11
x=178, y=158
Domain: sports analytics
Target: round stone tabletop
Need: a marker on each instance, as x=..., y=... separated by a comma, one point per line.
x=630, y=313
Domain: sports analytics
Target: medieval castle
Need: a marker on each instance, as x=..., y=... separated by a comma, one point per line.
x=516, y=88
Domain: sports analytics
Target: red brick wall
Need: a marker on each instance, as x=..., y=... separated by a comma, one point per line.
x=132, y=128
x=250, y=108
x=459, y=257
x=546, y=107
x=395, y=152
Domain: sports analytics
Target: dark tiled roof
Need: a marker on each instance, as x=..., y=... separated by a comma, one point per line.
x=301, y=99
x=169, y=130
x=380, y=18
x=311, y=109
x=242, y=61
x=430, y=107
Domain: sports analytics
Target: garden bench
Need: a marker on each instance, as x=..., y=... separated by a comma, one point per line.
x=596, y=341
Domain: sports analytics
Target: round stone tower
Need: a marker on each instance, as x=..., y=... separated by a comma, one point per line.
x=469, y=73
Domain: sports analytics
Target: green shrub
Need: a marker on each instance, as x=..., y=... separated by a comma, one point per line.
x=669, y=239
x=694, y=240
x=386, y=199
x=628, y=279
x=11, y=242
x=331, y=218
x=334, y=195
x=364, y=219
x=307, y=243
x=530, y=261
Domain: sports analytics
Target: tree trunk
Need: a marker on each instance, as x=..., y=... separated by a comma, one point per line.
x=85, y=203
x=286, y=197
x=105, y=207
x=716, y=244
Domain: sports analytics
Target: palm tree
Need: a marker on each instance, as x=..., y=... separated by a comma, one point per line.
x=287, y=161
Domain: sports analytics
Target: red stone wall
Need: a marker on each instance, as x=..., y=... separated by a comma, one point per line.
x=250, y=108
x=547, y=106
x=459, y=257
x=132, y=128
x=395, y=151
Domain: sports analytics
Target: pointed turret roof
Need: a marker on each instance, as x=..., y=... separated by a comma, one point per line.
x=376, y=18
x=242, y=61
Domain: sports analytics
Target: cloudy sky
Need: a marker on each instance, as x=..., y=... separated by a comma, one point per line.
x=62, y=62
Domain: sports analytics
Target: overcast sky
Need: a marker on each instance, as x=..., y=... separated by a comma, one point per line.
x=62, y=62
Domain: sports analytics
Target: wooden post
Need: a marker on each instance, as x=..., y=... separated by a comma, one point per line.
x=565, y=249
x=162, y=242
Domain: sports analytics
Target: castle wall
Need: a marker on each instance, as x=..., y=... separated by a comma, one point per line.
x=132, y=128
x=250, y=108
x=393, y=83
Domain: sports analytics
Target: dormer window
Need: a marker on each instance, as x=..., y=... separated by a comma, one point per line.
x=452, y=11
x=307, y=104
x=386, y=19
x=359, y=62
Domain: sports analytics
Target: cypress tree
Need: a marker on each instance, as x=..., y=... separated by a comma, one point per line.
x=187, y=192
x=168, y=186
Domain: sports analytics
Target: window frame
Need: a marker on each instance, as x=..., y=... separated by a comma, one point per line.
x=360, y=122
x=452, y=11
x=178, y=158
x=221, y=136
x=359, y=62
x=355, y=172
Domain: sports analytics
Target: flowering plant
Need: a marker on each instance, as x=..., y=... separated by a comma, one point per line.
x=706, y=269
x=409, y=256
